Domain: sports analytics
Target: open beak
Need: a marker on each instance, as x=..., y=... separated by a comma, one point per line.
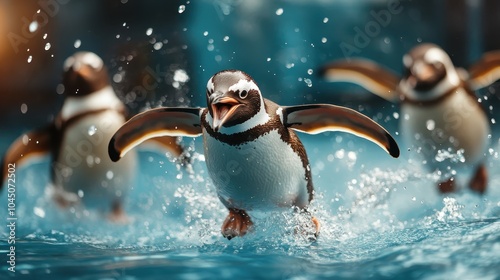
x=223, y=108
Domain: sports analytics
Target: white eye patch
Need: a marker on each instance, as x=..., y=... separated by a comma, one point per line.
x=244, y=85
x=210, y=85
x=76, y=61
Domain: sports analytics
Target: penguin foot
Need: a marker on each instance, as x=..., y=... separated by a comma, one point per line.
x=447, y=186
x=237, y=223
x=118, y=215
x=307, y=230
x=479, y=182
x=317, y=226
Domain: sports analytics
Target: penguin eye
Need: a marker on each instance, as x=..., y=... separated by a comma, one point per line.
x=243, y=94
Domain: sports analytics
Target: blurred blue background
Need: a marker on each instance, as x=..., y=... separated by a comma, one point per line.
x=279, y=43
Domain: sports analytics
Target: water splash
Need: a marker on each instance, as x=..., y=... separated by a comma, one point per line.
x=448, y=154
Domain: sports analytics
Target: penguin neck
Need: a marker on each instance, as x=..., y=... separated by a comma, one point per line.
x=104, y=98
x=260, y=118
x=444, y=86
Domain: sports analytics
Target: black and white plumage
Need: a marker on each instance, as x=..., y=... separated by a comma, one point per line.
x=81, y=171
x=253, y=156
x=439, y=109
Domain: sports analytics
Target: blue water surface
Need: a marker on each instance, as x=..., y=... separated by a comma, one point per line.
x=381, y=218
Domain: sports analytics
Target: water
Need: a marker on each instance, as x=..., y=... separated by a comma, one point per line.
x=381, y=218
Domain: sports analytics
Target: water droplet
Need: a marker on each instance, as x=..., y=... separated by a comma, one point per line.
x=205, y=33
x=414, y=198
x=124, y=24
x=60, y=89
x=182, y=8
x=158, y=45
x=47, y=46
x=110, y=174
x=493, y=121
x=39, y=212
x=117, y=78
x=33, y=26
x=45, y=36
x=308, y=82
x=395, y=115
x=30, y=58
x=92, y=130
x=279, y=11
x=24, y=108
x=181, y=76
x=149, y=31
x=80, y=193
x=430, y=124
x=226, y=38
x=309, y=71
x=77, y=44
x=325, y=20
x=419, y=40
x=340, y=154
x=323, y=40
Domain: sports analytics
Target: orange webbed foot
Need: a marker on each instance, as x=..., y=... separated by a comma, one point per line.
x=447, y=186
x=479, y=182
x=118, y=215
x=237, y=223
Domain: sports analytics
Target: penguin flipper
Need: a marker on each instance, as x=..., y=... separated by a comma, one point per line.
x=485, y=71
x=34, y=143
x=154, y=123
x=317, y=118
x=365, y=73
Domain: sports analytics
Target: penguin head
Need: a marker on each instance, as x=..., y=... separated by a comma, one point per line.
x=429, y=73
x=84, y=73
x=233, y=98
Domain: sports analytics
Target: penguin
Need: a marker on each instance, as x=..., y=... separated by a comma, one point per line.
x=253, y=156
x=440, y=113
x=80, y=169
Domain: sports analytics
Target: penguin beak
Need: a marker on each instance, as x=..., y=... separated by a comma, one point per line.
x=223, y=107
x=424, y=72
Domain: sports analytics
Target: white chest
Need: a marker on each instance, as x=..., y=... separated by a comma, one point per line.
x=257, y=175
x=83, y=166
x=456, y=123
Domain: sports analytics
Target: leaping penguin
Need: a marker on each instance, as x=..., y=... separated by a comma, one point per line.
x=439, y=111
x=81, y=170
x=253, y=156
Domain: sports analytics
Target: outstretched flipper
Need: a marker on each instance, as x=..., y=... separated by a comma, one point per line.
x=35, y=143
x=485, y=71
x=365, y=73
x=154, y=123
x=317, y=118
